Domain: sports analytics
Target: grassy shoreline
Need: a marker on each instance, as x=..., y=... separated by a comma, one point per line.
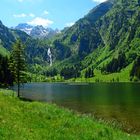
x=34, y=120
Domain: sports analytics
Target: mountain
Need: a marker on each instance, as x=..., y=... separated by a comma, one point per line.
x=36, y=50
x=24, y=27
x=106, y=39
x=37, y=31
x=83, y=37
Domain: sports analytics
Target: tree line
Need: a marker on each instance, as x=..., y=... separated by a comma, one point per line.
x=6, y=77
x=116, y=64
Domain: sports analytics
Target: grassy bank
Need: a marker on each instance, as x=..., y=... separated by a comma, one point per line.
x=122, y=76
x=21, y=120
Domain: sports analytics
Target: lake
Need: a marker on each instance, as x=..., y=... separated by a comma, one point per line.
x=110, y=101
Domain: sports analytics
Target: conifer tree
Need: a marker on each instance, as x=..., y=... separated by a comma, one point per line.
x=18, y=64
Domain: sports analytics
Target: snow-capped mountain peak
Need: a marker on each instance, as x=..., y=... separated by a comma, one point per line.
x=37, y=31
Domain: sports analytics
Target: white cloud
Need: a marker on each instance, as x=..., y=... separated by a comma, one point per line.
x=45, y=12
x=69, y=24
x=23, y=15
x=40, y=21
x=20, y=15
x=31, y=15
x=99, y=1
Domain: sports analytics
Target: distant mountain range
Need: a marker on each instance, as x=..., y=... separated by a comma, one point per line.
x=37, y=31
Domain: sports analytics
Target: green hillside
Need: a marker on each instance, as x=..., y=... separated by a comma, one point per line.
x=109, y=36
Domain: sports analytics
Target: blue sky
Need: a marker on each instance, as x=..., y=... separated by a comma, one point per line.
x=49, y=13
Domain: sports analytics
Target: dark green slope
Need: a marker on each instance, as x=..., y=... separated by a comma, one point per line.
x=6, y=36
x=83, y=37
x=119, y=23
x=36, y=50
x=99, y=11
x=120, y=29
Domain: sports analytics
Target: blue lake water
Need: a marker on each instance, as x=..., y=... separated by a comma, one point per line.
x=111, y=101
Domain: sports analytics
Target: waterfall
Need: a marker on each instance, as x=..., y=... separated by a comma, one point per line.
x=50, y=56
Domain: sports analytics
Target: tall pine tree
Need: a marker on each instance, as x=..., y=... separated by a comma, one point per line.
x=18, y=64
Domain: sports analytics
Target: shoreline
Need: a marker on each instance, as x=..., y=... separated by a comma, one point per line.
x=51, y=121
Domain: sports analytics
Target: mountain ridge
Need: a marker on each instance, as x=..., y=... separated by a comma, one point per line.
x=37, y=31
